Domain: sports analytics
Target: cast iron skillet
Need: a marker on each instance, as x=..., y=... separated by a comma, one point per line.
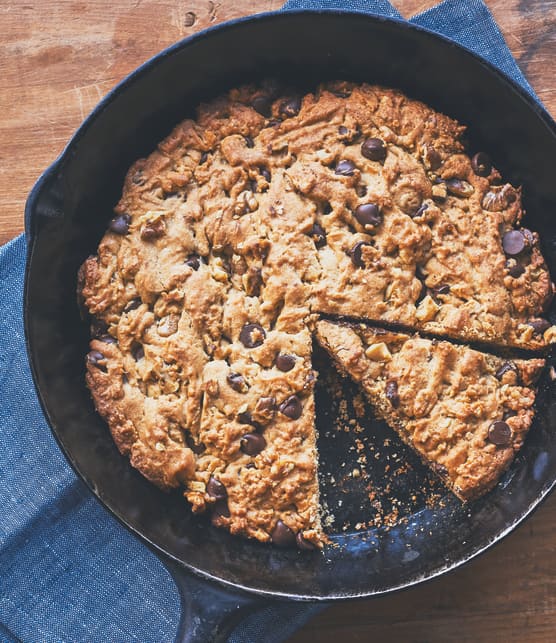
x=69, y=208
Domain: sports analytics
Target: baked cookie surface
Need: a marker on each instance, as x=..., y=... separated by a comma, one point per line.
x=241, y=230
x=464, y=412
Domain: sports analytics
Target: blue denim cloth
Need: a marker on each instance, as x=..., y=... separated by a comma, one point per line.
x=68, y=570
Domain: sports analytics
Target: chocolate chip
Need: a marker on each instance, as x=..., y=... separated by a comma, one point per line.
x=98, y=327
x=197, y=448
x=120, y=224
x=132, y=304
x=318, y=235
x=153, y=231
x=108, y=339
x=514, y=242
x=361, y=191
x=459, y=187
x=204, y=157
x=420, y=210
x=539, y=325
x=284, y=362
x=282, y=535
x=249, y=141
x=516, y=270
x=302, y=543
x=245, y=418
x=252, y=335
x=374, y=149
x=356, y=254
x=265, y=173
x=252, y=443
x=505, y=368
x=345, y=168
x=220, y=509
x=262, y=104
x=95, y=358
x=193, y=261
x=500, y=433
x=137, y=352
x=342, y=130
x=237, y=382
x=368, y=214
x=290, y=107
x=326, y=208
x=481, y=164
x=291, y=408
x=392, y=393
x=216, y=489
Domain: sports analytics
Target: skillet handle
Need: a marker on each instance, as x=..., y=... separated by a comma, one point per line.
x=209, y=612
x=44, y=200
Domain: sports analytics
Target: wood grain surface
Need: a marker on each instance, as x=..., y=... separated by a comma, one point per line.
x=58, y=59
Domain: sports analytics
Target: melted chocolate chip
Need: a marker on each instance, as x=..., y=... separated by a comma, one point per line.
x=514, y=243
x=284, y=362
x=291, y=408
x=326, y=208
x=252, y=443
x=356, y=254
x=516, y=270
x=237, y=382
x=318, y=235
x=539, y=325
x=196, y=448
x=282, y=535
x=262, y=104
x=290, y=107
x=302, y=543
x=245, y=418
x=368, y=214
x=500, y=433
x=481, y=164
x=220, y=509
x=392, y=393
x=216, y=489
x=342, y=130
x=361, y=190
x=345, y=168
x=120, y=224
x=153, y=231
x=137, y=352
x=193, y=261
x=204, y=157
x=252, y=335
x=265, y=173
x=249, y=141
x=374, y=149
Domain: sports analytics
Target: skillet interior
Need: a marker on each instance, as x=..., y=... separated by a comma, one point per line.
x=68, y=213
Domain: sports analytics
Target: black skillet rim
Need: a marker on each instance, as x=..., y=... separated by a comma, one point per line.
x=135, y=76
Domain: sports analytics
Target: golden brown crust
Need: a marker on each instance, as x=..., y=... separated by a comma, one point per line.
x=442, y=399
x=242, y=217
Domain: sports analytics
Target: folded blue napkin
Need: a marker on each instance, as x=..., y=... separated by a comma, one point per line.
x=68, y=570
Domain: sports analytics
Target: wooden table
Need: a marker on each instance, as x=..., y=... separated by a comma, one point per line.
x=57, y=59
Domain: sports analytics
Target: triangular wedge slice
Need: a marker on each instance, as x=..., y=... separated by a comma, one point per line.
x=466, y=413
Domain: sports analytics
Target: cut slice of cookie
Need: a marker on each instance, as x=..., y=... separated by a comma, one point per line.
x=466, y=413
